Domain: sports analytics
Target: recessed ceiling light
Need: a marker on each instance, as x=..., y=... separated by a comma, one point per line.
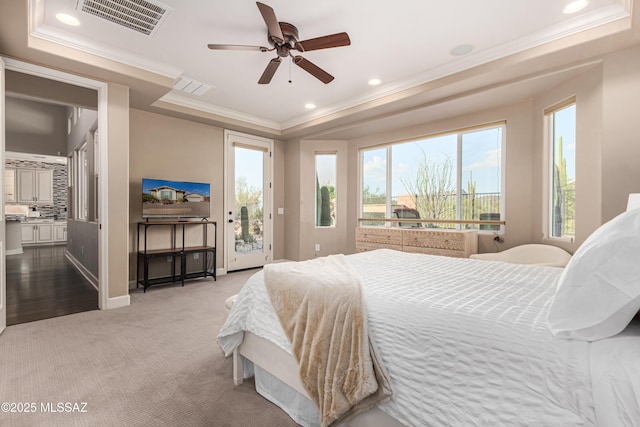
x=374, y=82
x=575, y=6
x=309, y=106
x=461, y=50
x=68, y=19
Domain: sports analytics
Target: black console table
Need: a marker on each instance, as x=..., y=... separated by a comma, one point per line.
x=177, y=251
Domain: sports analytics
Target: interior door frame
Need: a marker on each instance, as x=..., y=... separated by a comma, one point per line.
x=103, y=124
x=268, y=199
x=3, y=270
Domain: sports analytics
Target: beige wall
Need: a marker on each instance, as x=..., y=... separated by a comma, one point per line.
x=620, y=130
x=164, y=147
x=301, y=232
x=167, y=148
x=292, y=200
x=46, y=89
x=35, y=127
x=118, y=182
x=279, y=222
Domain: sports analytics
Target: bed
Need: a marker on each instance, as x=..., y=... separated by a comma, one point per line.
x=464, y=342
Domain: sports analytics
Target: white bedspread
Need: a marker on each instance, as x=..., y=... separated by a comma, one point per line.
x=465, y=342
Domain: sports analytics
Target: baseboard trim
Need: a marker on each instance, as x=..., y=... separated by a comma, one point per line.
x=221, y=271
x=14, y=251
x=82, y=269
x=117, y=302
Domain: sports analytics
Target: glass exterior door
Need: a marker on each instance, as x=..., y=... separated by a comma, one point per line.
x=248, y=202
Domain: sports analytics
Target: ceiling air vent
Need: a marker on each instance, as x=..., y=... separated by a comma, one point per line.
x=193, y=87
x=143, y=16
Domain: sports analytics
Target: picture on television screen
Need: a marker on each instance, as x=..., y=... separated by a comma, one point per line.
x=174, y=199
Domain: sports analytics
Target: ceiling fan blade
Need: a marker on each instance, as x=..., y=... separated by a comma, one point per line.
x=268, y=73
x=324, y=42
x=270, y=19
x=313, y=69
x=237, y=47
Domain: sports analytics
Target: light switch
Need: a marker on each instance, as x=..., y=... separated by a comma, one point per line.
x=280, y=211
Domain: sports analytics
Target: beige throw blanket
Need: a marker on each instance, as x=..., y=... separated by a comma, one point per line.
x=320, y=304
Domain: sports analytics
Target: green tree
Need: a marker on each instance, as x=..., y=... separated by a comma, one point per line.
x=318, y=201
x=249, y=196
x=469, y=200
x=563, y=196
x=435, y=187
x=373, y=197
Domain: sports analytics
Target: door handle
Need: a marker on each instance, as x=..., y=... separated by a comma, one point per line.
x=230, y=221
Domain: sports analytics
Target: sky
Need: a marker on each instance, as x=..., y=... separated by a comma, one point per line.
x=249, y=163
x=566, y=127
x=480, y=153
x=326, y=169
x=189, y=187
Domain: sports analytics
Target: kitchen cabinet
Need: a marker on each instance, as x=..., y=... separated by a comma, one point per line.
x=60, y=232
x=9, y=185
x=37, y=232
x=35, y=185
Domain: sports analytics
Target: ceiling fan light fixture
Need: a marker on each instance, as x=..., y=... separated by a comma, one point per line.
x=575, y=6
x=374, y=82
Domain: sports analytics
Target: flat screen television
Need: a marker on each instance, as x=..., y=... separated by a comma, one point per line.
x=162, y=198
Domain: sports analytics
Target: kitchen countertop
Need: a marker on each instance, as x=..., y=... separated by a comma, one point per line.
x=32, y=219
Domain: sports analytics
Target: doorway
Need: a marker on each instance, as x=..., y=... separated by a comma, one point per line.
x=100, y=239
x=53, y=260
x=248, y=201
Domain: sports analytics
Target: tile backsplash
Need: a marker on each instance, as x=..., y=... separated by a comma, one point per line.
x=58, y=209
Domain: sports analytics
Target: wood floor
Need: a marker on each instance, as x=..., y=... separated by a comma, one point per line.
x=42, y=283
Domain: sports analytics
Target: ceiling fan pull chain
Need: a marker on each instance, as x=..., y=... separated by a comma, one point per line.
x=290, y=70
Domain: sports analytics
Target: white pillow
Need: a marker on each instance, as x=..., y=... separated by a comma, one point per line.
x=599, y=290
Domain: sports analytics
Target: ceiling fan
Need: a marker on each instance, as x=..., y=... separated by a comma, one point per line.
x=283, y=37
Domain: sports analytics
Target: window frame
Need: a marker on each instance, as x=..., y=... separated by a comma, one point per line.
x=458, y=172
x=334, y=221
x=82, y=182
x=549, y=147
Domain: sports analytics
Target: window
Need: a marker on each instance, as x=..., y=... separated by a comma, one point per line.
x=374, y=187
x=326, y=189
x=96, y=171
x=451, y=177
x=83, y=180
x=561, y=121
x=70, y=184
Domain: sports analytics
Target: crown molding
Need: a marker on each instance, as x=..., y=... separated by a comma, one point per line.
x=584, y=22
x=180, y=100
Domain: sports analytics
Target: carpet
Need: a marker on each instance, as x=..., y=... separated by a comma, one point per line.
x=153, y=363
